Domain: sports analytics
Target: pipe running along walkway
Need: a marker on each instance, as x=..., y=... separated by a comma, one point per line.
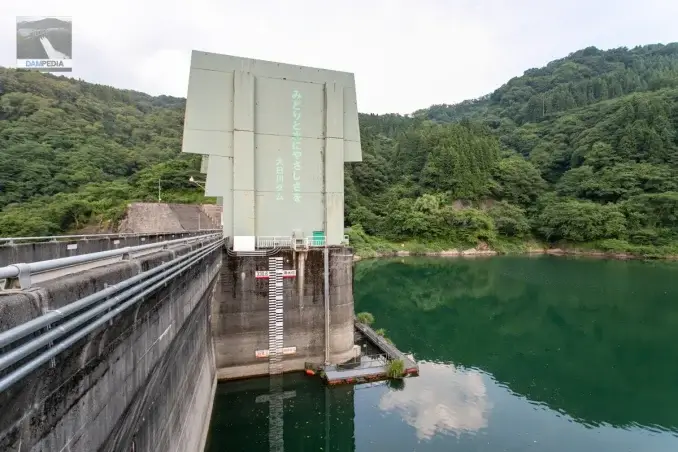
x=57, y=330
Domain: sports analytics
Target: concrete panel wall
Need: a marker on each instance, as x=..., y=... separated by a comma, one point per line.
x=153, y=218
x=279, y=153
x=240, y=312
x=143, y=382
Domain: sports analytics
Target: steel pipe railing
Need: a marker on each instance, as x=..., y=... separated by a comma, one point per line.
x=57, y=238
x=25, y=369
x=25, y=270
x=16, y=333
x=273, y=242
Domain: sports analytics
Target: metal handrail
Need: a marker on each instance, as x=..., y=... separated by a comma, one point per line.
x=273, y=242
x=19, y=331
x=314, y=242
x=264, y=242
x=379, y=341
x=378, y=360
x=109, y=306
x=56, y=238
x=17, y=270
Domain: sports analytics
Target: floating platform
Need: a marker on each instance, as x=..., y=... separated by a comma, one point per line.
x=367, y=368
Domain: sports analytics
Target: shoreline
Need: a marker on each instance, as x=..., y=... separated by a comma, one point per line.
x=476, y=252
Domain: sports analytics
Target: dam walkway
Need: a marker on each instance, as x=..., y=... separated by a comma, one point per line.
x=95, y=331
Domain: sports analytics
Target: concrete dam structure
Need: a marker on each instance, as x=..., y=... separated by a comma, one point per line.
x=148, y=218
x=109, y=351
x=243, y=313
x=274, y=138
x=117, y=343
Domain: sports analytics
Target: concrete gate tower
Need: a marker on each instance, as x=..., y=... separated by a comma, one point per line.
x=274, y=138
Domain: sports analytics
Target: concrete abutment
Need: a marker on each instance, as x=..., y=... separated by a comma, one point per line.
x=240, y=311
x=142, y=382
x=145, y=381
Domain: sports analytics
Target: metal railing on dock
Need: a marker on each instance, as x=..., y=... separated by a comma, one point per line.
x=389, y=349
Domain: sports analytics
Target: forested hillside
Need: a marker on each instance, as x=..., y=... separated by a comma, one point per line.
x=584, y=150
x=73, y=153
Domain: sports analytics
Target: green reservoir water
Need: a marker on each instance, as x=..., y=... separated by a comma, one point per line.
x=517, y=354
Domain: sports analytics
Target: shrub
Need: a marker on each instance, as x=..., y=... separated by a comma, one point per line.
x=395, y=368
x=365, y=318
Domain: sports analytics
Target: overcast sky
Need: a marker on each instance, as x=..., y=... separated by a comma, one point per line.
x=405, y=54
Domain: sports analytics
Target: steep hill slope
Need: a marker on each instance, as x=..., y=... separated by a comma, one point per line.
x=582, y=78
x=73, y=152
x=589, y=153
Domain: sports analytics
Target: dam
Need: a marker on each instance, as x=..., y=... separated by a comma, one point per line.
x=116, y=343
x=274, y=139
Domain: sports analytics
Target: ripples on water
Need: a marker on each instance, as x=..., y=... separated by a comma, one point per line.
x=544, y=354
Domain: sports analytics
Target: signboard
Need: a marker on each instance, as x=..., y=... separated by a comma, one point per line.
x=285, y=351
x=263, y=274
x=44, y=43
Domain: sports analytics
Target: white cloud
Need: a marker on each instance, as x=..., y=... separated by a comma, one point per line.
x=443, y=401
x=406, y=55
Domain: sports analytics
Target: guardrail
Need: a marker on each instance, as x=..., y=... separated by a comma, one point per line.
x=23, y=271
x=267, y=242
x=273, y=242
x=313, y=242
x=95, y=310
x=61, y=238
x=364, y=362
x=389, y=349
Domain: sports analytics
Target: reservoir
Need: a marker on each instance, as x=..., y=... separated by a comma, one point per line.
x=516, y=354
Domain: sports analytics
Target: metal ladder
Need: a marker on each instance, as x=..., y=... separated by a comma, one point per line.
x=275, y=315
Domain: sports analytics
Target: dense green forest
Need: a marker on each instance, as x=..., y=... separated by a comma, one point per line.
x=584, y=150
x=74, y=153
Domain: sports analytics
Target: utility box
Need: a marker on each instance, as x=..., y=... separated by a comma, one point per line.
x=275, y=137
x=244, y=243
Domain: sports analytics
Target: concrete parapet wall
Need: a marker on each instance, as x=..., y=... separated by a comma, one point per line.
x=240, y=311
x=150, y=217
x=143, y=382
x=22, y=252
x=214, y=212
x=147, y=217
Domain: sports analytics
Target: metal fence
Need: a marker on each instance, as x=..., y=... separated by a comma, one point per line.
x=58, y=330
x=273, y=242
x=268, y=242
x=69, y=238
x=364, y=362
x=21, y=272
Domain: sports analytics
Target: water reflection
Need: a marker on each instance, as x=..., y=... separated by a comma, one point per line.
x=592, y=339
x=542, y=354
x=293, y=413
x=447, y=401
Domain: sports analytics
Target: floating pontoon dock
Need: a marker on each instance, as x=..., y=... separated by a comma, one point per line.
x=369, y=368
